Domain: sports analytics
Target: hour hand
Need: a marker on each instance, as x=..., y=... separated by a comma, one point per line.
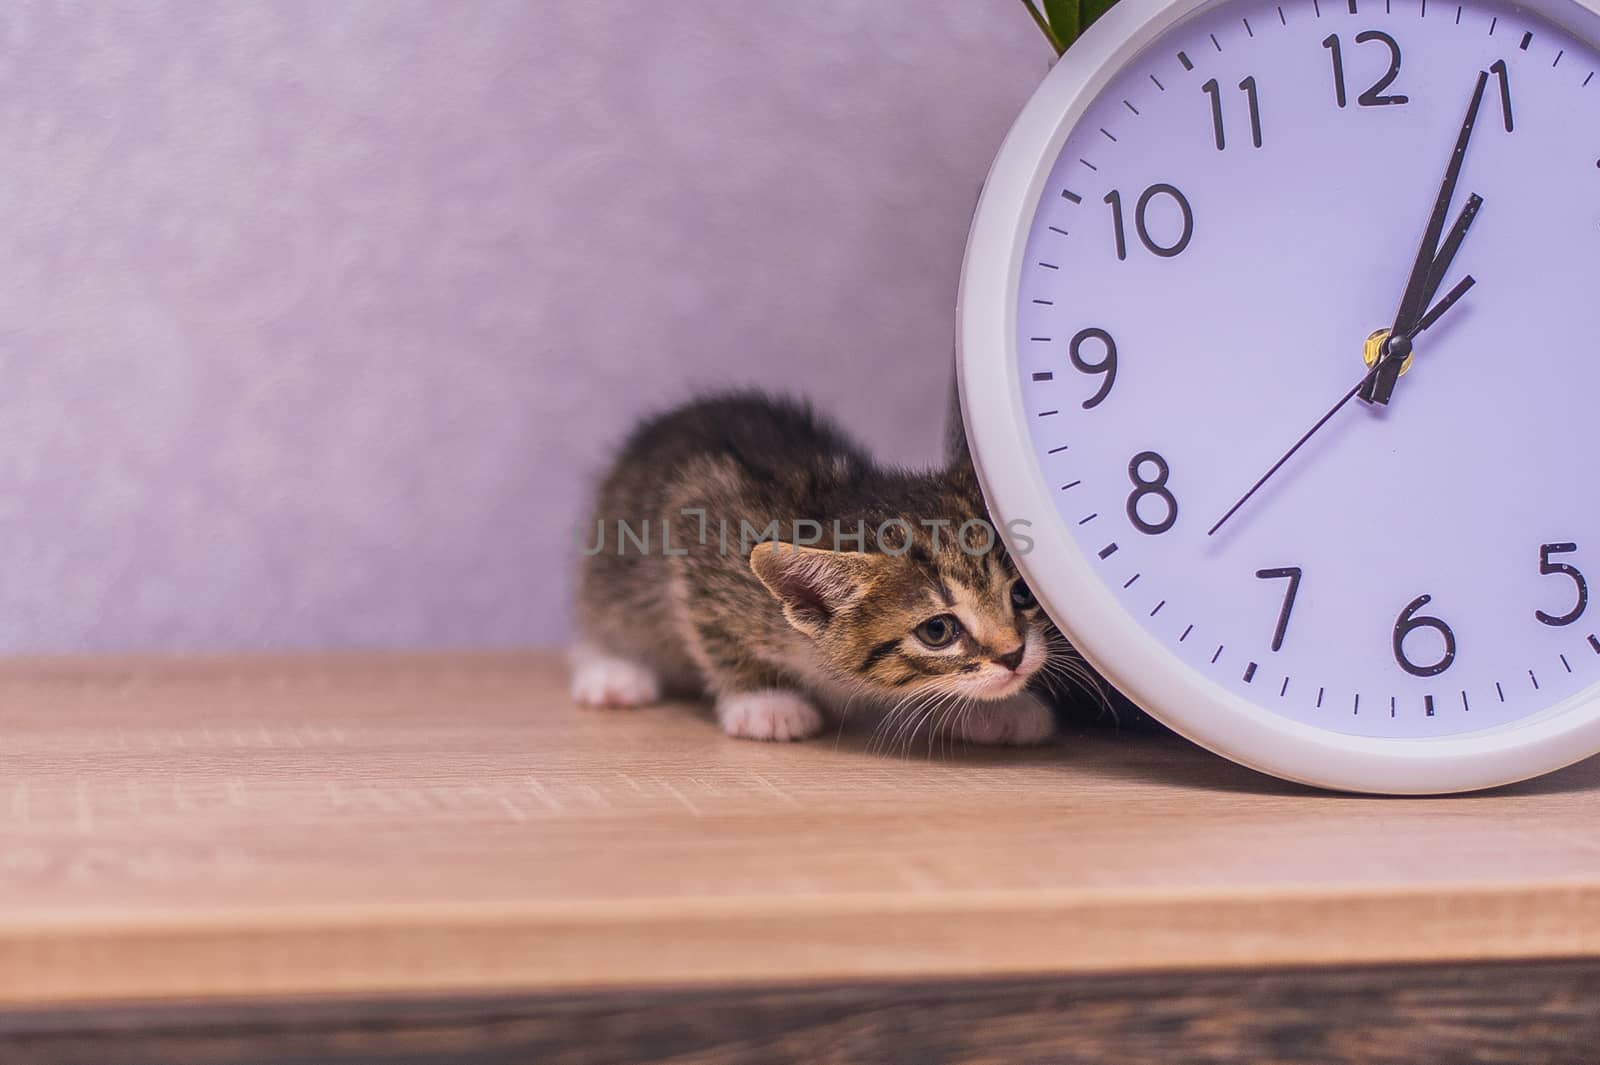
x=1379, y=387
x=1451, y=245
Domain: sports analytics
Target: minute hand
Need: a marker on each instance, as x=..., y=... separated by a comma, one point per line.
x=1427, y=272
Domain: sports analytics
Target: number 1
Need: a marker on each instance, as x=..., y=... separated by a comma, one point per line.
x=1500, y=71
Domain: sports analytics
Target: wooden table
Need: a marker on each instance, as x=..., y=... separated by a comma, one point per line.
x=358, y=859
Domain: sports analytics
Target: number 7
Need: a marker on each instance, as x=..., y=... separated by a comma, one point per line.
x=1293, y=574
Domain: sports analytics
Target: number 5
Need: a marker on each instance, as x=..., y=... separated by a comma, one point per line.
x=1566, y=568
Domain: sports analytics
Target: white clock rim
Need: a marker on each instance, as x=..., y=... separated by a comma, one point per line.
x=1059, y=573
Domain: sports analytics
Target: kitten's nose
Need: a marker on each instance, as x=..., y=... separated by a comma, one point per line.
x=1011, y=659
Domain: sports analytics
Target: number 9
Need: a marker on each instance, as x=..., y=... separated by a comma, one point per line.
x=1107, y=365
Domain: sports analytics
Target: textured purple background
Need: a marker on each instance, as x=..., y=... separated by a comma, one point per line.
x=318, y=315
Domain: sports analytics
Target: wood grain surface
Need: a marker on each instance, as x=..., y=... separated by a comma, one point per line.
x=454, y=825
x=1544, y=1013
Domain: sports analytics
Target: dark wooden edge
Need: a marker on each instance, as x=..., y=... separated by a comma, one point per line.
x=1516, y=1014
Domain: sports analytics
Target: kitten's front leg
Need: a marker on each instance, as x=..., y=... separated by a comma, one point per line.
x=752, y=701
x=768, y=714
x=602, y=679
x=1024, y=720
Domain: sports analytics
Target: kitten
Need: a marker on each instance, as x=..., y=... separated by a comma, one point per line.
x=901, y=597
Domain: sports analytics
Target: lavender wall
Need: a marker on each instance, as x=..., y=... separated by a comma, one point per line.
x=318, y=314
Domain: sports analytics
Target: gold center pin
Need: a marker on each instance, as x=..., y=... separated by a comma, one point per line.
x=1374, y=351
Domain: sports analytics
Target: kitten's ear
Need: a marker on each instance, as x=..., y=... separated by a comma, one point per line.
x=812, y=584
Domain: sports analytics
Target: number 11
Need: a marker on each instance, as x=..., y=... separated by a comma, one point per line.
x=1248, y=87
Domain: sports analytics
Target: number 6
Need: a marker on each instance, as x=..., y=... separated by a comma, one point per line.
x=1408, y=622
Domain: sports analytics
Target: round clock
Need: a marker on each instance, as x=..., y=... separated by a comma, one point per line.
x=1278, y=354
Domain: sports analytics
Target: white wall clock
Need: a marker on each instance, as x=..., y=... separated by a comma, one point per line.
x=1207, y=221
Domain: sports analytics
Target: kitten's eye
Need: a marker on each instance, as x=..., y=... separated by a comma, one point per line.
x=1022, y=596
x=938, y=632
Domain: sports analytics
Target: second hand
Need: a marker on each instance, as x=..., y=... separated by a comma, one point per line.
x=1399, y=348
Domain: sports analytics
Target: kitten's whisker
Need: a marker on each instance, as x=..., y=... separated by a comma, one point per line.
x=961, y=722
x=899, y=715
x=951, y=700
x=857, y=691
x=928, y=710
x=915, y=719
x=957, y=717
x=1064, y=664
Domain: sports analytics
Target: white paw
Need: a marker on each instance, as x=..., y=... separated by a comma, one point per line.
x=600, y=680
x=1020, y=721
x=768, y=715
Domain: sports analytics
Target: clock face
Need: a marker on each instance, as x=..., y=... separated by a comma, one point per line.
x=1235, y=214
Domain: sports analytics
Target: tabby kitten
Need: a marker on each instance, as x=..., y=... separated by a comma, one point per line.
x=900, y=599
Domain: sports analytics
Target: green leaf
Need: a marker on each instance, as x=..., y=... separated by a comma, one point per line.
x=1063, y=16
x=1044, y=27
x=1093, y=9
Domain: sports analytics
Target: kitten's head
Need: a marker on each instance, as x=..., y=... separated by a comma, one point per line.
x=937, y=613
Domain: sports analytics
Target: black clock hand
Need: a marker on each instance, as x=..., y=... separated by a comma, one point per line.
x=1423, y=269
x=1452, y=244
x=1399, y=348
x=1380, y=387
x=1439, y=308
